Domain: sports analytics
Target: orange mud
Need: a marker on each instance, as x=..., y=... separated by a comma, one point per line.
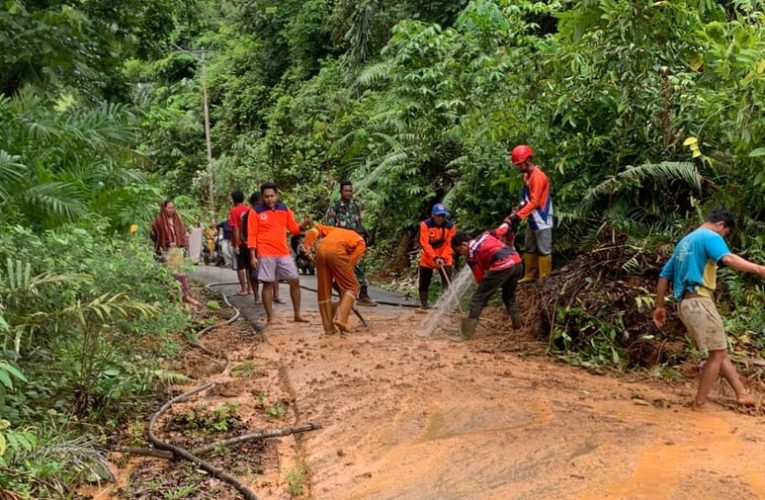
x=406, y=416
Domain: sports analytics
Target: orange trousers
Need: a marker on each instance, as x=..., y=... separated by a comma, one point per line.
x=332, y=266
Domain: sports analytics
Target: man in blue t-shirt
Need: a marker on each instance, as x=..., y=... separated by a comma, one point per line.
x=692, y=269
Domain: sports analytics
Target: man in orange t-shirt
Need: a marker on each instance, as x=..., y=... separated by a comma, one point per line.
x=338, y=252
x=436, y=234
x=267, y=241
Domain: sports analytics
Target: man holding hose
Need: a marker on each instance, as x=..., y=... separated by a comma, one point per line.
x=436, y=234
x=495, y=266
x=337, y=254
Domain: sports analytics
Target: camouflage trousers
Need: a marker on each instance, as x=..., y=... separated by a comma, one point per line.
x=361, y=273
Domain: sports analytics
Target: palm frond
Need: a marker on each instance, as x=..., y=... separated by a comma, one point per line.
x=634, y=177
x=11, y=169
x=374, y=74
x=56, y=198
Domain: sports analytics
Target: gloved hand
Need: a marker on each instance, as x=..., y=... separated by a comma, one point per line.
x=513, y=220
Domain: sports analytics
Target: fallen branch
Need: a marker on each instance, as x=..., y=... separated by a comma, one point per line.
x=257, y=435
x=149, y=452
x=168, y=455
x=183, y=453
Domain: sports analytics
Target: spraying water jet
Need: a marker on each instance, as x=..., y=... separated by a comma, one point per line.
x=447, y=303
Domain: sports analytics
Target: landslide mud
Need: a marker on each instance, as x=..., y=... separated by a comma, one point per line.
x=407, y=416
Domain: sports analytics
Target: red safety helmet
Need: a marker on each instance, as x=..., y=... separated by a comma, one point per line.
x=521, y=153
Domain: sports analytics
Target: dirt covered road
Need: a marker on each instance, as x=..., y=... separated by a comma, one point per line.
x=412, y=417
x=407, y=416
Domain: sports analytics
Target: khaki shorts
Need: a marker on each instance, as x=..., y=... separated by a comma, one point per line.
x=272, y=269
x=700, y=317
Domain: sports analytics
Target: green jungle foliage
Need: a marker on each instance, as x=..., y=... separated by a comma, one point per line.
x=645, y=114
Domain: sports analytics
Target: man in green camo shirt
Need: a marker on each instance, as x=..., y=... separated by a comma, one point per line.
x=346, y=213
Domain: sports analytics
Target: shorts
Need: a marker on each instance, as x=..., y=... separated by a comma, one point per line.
x=272, y=269
x=539, y=241
x=700, y=317
x=242, y=260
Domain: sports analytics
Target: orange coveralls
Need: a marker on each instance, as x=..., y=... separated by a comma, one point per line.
x=337, y=254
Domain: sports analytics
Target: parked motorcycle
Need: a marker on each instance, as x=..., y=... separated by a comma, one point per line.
x=212, y=252
x=303, y=263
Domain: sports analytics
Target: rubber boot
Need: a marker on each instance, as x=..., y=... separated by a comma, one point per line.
x=515, y=315
x=424, y=300
x=545, y=265
x=530, y=266
x=468, y=328
x=365, y=299
x=343, y=311
x=325, y=310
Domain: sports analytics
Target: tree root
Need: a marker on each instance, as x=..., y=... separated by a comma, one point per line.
x=183, y=453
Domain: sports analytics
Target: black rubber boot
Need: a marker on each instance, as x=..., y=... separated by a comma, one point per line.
x=515, y=315
x=364, y=298
x=424, y=300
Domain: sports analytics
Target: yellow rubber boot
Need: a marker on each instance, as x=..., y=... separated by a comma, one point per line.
x=545, y=265
x=325, y=310
x=530, y=265
x=343, y=311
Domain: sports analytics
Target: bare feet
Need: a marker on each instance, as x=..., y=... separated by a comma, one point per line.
x=300, y=319
x=279, y=301
x=704, y=407
x=192, y=301
x=746, y=400
x=243, y=292
x=257, y=299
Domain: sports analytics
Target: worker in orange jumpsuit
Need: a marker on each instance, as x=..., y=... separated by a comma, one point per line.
x=436, y=234
x=337, y=253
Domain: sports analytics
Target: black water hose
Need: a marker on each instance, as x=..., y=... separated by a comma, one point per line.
x=310, y=289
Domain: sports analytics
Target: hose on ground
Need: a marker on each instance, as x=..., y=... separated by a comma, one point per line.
x=311, y=289
x=183, y=453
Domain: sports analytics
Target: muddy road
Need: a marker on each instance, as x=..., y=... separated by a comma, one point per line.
x=406, y=416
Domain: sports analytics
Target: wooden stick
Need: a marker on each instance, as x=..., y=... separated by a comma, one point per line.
x=256, y=435
x=271, y=433
x=149, y=452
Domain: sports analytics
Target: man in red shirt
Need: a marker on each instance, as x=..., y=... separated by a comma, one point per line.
x=494, y=265
x=267, y=241
x=239, y=262
x=436, y=234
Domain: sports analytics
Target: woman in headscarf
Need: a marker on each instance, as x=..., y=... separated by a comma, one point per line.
x=169, y=237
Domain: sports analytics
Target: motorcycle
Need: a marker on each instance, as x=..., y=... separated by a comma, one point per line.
x=303, y=263
x=212, y=252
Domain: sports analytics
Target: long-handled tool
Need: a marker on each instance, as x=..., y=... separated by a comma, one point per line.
x=358, y=315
